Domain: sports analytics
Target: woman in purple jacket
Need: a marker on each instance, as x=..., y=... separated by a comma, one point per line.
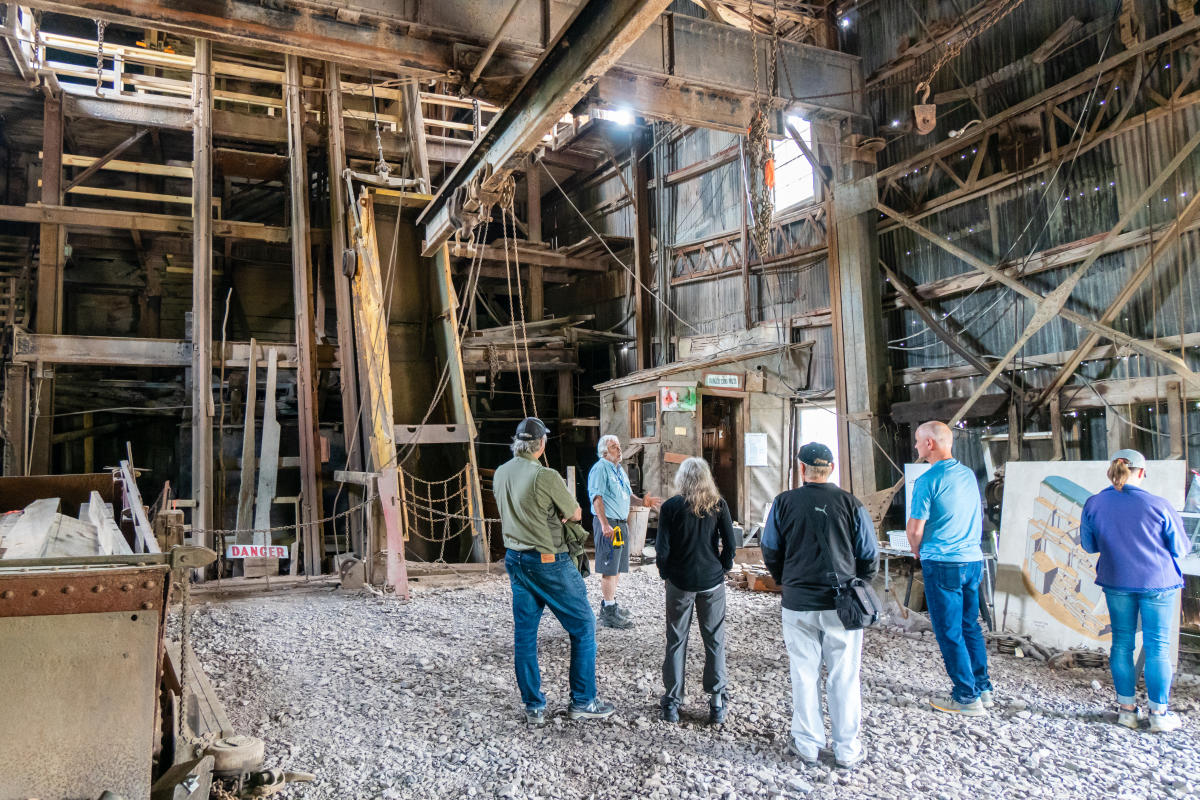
x=1139, y=536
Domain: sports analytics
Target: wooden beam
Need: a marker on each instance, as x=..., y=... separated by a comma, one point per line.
x=52, y=238
x=268, y=463
x=1126, y=293
x=99, y=163
x=124, y=351
x=202, y=432
x=527, y=256
x=302, y=298
x=71, y=217
x=414, y=129
x=341, y=281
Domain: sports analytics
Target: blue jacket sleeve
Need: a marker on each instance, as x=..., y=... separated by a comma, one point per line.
x=774, y=547
x=1173, y=533
x=1087, y=531
x=866, y=545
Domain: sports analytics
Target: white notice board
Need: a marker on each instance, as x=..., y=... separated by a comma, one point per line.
x=756, y=450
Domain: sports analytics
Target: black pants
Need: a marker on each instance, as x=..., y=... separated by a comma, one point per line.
x=710, y=604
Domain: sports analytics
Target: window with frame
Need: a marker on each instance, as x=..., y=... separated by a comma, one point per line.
x=645, y=417
x=794, y=177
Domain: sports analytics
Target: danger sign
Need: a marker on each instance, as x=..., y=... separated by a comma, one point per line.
x=257, y=551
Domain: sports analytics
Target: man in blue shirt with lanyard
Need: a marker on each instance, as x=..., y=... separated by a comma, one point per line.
x=944, y=530
x=610, y=495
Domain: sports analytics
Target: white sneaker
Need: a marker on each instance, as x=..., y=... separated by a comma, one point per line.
x=1130, y=719
x=988, y=698
x=1165, y=722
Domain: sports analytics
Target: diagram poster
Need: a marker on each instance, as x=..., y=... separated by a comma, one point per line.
x=1046, y=586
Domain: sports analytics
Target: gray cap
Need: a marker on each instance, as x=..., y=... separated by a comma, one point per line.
x=1136, y=460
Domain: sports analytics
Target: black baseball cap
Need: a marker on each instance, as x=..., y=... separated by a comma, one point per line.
x=815, y=454
x=531, y=429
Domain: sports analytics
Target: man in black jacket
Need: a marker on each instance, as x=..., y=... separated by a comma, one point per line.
x=816, y=537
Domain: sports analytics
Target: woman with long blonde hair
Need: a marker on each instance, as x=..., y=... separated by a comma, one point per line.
x=694, y=550
x=1140, y=538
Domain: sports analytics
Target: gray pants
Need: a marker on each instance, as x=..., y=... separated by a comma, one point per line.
x=711, y=606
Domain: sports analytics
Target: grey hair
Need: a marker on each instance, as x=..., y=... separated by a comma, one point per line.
x=602, y=445
x=529, y=447
x=694, y=481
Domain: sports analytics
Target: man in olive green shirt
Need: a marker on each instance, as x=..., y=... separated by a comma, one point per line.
x=533, y=502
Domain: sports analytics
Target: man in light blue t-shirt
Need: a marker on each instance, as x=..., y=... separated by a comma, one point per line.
x=944, y=530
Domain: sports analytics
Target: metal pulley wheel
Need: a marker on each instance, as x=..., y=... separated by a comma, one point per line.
x=234, y=756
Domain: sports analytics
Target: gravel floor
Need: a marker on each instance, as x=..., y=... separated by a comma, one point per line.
x=388, y=700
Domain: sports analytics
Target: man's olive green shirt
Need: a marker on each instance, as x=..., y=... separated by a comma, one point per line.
x=533, y=500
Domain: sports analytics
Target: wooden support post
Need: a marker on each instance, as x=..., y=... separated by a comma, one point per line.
x=643, y=300
x=15, y=402
x=450, y=351
x=202, y=433
x=347, y=354
x=855, y=286
x=302, y=295
x=1115, y=430
x=49, y=280
x=746, y=310
x=566, y=395
x=89, y=444
x=245, y=504
x=1056, y=428
x=268, y=472
x=370, y=326
x=1175, y=418
x=414, y=126
x=1014, y=430
x=537, y=286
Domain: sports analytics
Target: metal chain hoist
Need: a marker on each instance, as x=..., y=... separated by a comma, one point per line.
x=100, y=26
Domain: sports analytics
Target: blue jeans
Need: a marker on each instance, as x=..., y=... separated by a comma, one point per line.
x=1157, y=610
x=557, y=584
x=952, y=595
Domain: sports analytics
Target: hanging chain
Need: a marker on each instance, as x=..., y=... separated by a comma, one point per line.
x=382, y=168
x=952, y=50
x=100, y=26
x=762, y=162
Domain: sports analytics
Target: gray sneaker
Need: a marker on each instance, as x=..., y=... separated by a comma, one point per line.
x=951, y=706
x=536, y=717
x=988, y=698
x=623, y=612
x=609, y=618
x=597, y=709
x=853, y=760
x=810, y=760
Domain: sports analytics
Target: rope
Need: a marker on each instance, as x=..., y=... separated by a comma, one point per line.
x=508, y=197
x=512, y=314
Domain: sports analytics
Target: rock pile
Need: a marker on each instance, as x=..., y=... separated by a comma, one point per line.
x=388, y=700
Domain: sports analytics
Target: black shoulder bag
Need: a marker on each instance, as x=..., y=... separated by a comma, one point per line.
x=855, y=600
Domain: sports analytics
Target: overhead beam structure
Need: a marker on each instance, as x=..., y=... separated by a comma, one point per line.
x=678, y=65
x=584, y=49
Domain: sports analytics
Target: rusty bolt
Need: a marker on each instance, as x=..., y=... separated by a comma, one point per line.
x=148, y=585
x=38, y=592
x=126, y=587
x=98, y=588
x=147, y=605
x=7, y=595
x=68, y=589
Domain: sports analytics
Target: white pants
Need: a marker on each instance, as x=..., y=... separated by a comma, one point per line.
x=813, y=637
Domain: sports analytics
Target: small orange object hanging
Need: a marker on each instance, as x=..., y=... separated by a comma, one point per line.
x=769, y=173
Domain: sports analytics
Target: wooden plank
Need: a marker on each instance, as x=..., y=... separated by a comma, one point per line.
x=415, y=128
x=268, y=463
x=302, y=298
x=72, y=217
x=99, y=163
x=99, y=514
x=1175, y=420
x=245, y=504
x=144, y=541
x=206, y=714
x=202, y=434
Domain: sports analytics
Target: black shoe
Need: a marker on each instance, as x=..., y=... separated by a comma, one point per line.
x=535, y=717
x=597, y=709
x=670, y=713
x=609, y=618
x=717, y=709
